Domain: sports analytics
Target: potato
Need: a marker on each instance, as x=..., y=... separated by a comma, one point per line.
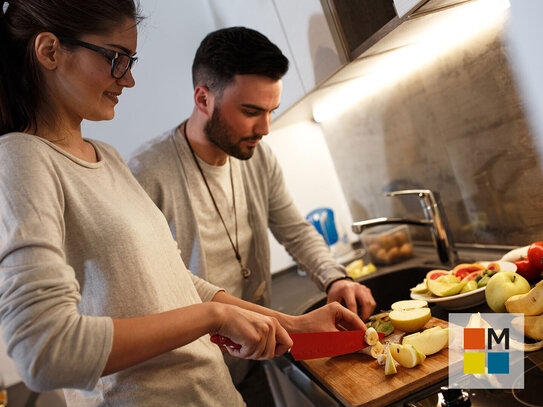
x=382, y=257
x=387, y=242
x=394, y=255
x=400, y=237
x=406, y=251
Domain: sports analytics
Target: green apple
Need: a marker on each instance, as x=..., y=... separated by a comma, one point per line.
x=503, y=285
x=411, y=320
x=406, y=305
x=429, y=341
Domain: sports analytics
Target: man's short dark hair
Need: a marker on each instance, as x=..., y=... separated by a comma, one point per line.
x=233, y=51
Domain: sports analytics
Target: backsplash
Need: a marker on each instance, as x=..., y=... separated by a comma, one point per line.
x=456, y=126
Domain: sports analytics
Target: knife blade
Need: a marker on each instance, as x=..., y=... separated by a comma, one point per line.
x=312, y=345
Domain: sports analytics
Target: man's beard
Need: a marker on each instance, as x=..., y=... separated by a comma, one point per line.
x=220, y=133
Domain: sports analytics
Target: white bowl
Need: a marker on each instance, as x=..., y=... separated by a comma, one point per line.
x=464, y=300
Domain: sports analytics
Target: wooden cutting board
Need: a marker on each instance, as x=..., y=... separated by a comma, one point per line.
x=358, y=380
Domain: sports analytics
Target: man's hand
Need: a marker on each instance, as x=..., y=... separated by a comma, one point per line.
x=351, y=294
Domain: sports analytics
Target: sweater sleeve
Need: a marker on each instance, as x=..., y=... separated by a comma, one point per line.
x=300, y=239
x=53, y=346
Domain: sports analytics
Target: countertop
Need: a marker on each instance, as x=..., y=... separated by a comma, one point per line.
x=293, y=293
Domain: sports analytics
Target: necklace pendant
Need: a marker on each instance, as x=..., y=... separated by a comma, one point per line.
x=245, y=272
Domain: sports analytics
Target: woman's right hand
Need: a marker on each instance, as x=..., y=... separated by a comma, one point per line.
x=261, y=337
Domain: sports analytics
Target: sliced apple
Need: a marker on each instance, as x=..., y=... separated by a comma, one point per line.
x=406, y=355
x=420, y=288
x=411, y=320
x=469, y=286
x=390, y=366
x=406, y=305
x=429, y=341
x=445, y=286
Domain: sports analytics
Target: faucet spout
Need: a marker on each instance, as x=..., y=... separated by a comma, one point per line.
x=435, y=219
x=358, y=227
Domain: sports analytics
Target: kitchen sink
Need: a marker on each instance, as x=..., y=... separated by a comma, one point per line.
x=388, y=287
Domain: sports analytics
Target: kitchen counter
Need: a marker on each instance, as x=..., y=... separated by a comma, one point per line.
x=294, y=294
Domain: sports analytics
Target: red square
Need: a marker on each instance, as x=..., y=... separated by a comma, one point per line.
x=474, y=338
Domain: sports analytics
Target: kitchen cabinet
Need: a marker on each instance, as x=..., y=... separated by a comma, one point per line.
x=298, y=28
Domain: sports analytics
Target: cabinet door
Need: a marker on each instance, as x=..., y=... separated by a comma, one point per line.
x=361, y=23
x=261, y=15
x=311, y=42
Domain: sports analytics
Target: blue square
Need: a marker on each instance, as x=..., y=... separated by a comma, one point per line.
x=498, y=362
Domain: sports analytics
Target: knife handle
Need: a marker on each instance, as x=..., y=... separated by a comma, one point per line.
x=224, y=341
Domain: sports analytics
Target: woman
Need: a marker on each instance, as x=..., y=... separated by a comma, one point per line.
x=94, y=297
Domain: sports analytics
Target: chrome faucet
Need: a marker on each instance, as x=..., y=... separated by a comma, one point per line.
x=435, y=219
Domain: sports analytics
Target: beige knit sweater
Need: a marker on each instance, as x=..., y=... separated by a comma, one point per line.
x=81, y=243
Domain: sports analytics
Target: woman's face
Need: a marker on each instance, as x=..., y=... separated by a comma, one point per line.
x=84, y=86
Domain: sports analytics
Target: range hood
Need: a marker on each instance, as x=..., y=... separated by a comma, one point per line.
x=357, y=25
x=380, y=50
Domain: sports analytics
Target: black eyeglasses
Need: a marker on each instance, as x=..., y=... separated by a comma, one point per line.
x=120, y=61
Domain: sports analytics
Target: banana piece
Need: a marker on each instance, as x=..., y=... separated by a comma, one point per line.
x=530, y=303
x=371, y=337
x=374, y=351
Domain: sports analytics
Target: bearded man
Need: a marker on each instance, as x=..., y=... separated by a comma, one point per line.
x=221, y=188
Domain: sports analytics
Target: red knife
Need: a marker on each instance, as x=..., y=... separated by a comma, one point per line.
x=312, y=345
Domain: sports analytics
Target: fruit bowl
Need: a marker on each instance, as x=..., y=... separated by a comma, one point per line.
x=465, y=300
x=455, y=302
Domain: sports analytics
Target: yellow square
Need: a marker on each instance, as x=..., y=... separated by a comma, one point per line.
x=474, y=362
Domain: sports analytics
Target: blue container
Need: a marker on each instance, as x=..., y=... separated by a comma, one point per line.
x=323, y=220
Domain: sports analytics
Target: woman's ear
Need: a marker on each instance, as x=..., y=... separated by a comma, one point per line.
x=203, y=100
x=46, y=46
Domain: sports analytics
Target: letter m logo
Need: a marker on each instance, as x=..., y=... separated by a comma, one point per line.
x=493, y=335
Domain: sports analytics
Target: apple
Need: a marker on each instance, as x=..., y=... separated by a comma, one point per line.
x=503, y=285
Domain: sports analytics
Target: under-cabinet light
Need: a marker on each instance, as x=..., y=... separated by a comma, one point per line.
x=441, y=35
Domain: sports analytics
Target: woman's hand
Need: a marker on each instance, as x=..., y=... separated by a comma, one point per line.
x=261, y=337
x=328, y=318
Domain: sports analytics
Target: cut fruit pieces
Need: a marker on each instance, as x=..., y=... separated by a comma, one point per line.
x=410, y=321
x=390, y=365
x=470, y=286
x=420, y=288
x=445, y=286
x=406, y=355
x=434, y=274
x=429, y=341
x=406, y=305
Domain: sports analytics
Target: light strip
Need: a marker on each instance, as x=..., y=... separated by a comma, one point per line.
x=440, y=37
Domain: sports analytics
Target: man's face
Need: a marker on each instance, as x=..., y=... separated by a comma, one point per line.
x=242, y=115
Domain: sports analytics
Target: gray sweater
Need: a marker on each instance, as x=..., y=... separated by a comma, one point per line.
x=81, y=243
x=159, y=166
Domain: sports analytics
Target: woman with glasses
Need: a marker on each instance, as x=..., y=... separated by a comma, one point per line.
x=94, y=297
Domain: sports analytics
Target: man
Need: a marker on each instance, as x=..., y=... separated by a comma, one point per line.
x=221, y=189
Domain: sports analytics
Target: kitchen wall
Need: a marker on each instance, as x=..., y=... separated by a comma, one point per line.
x=162, y=97
x=456, y=126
